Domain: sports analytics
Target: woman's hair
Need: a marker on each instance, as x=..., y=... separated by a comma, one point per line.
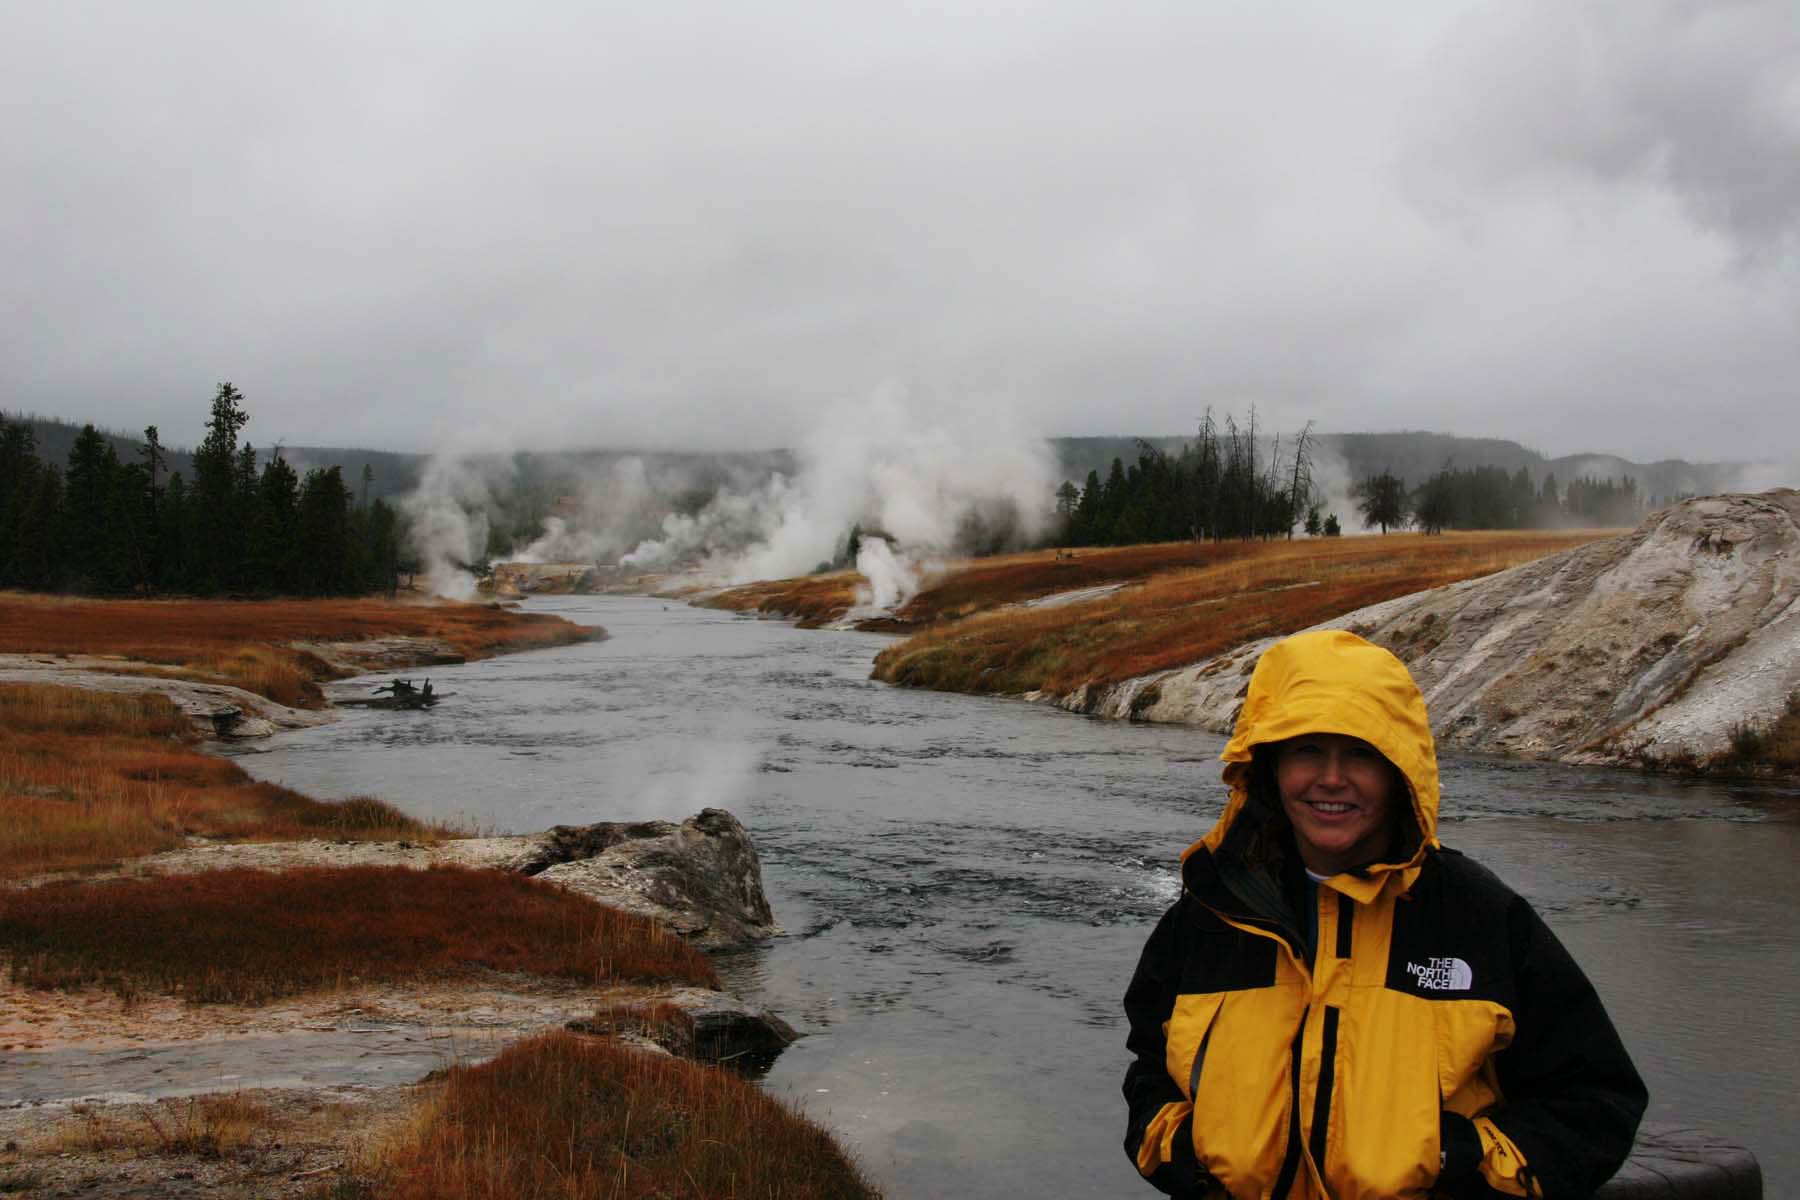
x=1271, y=834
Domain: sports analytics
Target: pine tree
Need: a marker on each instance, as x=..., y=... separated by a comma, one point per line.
x=154, y=464
x=323, y=532
x=1382, y=500
x=89, y=528
x=277, y=525
x=217, y=497
x=175, y=536
x=19, y=467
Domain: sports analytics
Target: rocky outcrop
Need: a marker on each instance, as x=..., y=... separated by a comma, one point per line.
x=1651, y=648
x=513, y=580
x=701, y=878
x=714, y=1027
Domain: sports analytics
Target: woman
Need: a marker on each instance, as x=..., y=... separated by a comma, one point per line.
x=1338, y=1005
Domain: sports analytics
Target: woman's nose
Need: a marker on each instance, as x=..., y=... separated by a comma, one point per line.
x=1333, y=773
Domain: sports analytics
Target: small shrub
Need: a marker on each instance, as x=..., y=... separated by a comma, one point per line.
x=1748, y=743
x=564, y=1116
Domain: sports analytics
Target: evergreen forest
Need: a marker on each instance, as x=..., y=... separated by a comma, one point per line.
x=107, y=526
x=1221, y=486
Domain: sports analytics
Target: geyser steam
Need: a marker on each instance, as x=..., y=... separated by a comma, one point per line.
x=978, y=483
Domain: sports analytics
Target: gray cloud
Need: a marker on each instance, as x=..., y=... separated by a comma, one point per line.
x=707, y=224
x=1698, y=98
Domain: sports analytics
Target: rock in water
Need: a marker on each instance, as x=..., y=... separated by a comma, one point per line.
x=701, y=878
x=1650, y=648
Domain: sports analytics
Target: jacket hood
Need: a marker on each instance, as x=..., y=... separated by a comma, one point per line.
x=1331, y=681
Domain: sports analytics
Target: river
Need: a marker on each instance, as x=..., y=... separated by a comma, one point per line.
x=966, y=882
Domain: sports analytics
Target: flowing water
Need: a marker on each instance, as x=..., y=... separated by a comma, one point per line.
x=966, y=883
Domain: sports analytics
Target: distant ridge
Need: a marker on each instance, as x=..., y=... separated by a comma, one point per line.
x=1416, y=455
x=1412, y=455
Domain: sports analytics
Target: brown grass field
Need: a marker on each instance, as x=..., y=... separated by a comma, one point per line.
x=812, y=600
x=1185, y=602
x=90, y=778
x=248, y=643
x=573, y=1118
x=247, y=937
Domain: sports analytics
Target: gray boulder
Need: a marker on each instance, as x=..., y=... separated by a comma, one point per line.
x=700, y=878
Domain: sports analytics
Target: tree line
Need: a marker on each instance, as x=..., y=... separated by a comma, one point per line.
x=107, y=526
x=1220, y=486
x=1216, y=487
x=1492, y=498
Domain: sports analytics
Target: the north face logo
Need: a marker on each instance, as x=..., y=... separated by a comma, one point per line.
x=1442, y=975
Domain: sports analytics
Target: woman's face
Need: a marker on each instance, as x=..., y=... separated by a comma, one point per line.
x=1338, y=794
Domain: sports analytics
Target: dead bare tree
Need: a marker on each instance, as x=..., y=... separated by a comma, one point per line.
x=1301, y=487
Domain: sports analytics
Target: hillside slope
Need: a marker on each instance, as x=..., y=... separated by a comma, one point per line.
x=1651, y=648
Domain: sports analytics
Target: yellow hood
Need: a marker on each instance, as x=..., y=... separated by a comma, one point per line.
x=1331, y=681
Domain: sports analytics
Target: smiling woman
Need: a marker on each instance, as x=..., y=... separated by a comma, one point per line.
x=1323, y=1011
x=1336, y=792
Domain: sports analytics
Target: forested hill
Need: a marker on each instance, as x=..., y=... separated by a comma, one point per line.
x=1415, y=456
x=391, y=474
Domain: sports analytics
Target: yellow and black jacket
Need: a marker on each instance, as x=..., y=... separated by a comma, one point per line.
x=1406, y=1028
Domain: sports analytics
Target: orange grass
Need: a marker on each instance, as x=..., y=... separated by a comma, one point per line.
x=812, y=599
x=247, y=643
x=247, y=937
x=1173, y=617
x=972, y=585
x=572, y=1118
x=89, y=778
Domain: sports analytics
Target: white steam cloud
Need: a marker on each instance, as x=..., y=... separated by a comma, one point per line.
x=893, y=579
x=448, y=512
x=975, y=484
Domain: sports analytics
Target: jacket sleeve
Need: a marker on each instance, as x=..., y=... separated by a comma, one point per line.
x=1159, y=1133
x=1572, y=1099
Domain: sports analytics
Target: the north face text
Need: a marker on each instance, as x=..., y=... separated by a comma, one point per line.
x=1442, y=975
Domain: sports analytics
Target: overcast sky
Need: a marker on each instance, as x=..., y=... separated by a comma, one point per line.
x=1573, y=224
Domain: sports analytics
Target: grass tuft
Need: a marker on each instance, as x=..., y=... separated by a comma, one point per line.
x=207, y=1127
x=248, y=937
x=570, y=1117
x=1764, y=749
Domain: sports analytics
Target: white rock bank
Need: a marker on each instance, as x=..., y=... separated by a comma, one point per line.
x=1650, y=648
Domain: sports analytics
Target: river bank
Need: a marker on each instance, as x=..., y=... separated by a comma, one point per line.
x=229, y=959
x=1672, y=647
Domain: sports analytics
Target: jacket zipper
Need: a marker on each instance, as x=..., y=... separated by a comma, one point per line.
x=1290, y=1161
x=1322, y=1097
x=1199, y=1061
